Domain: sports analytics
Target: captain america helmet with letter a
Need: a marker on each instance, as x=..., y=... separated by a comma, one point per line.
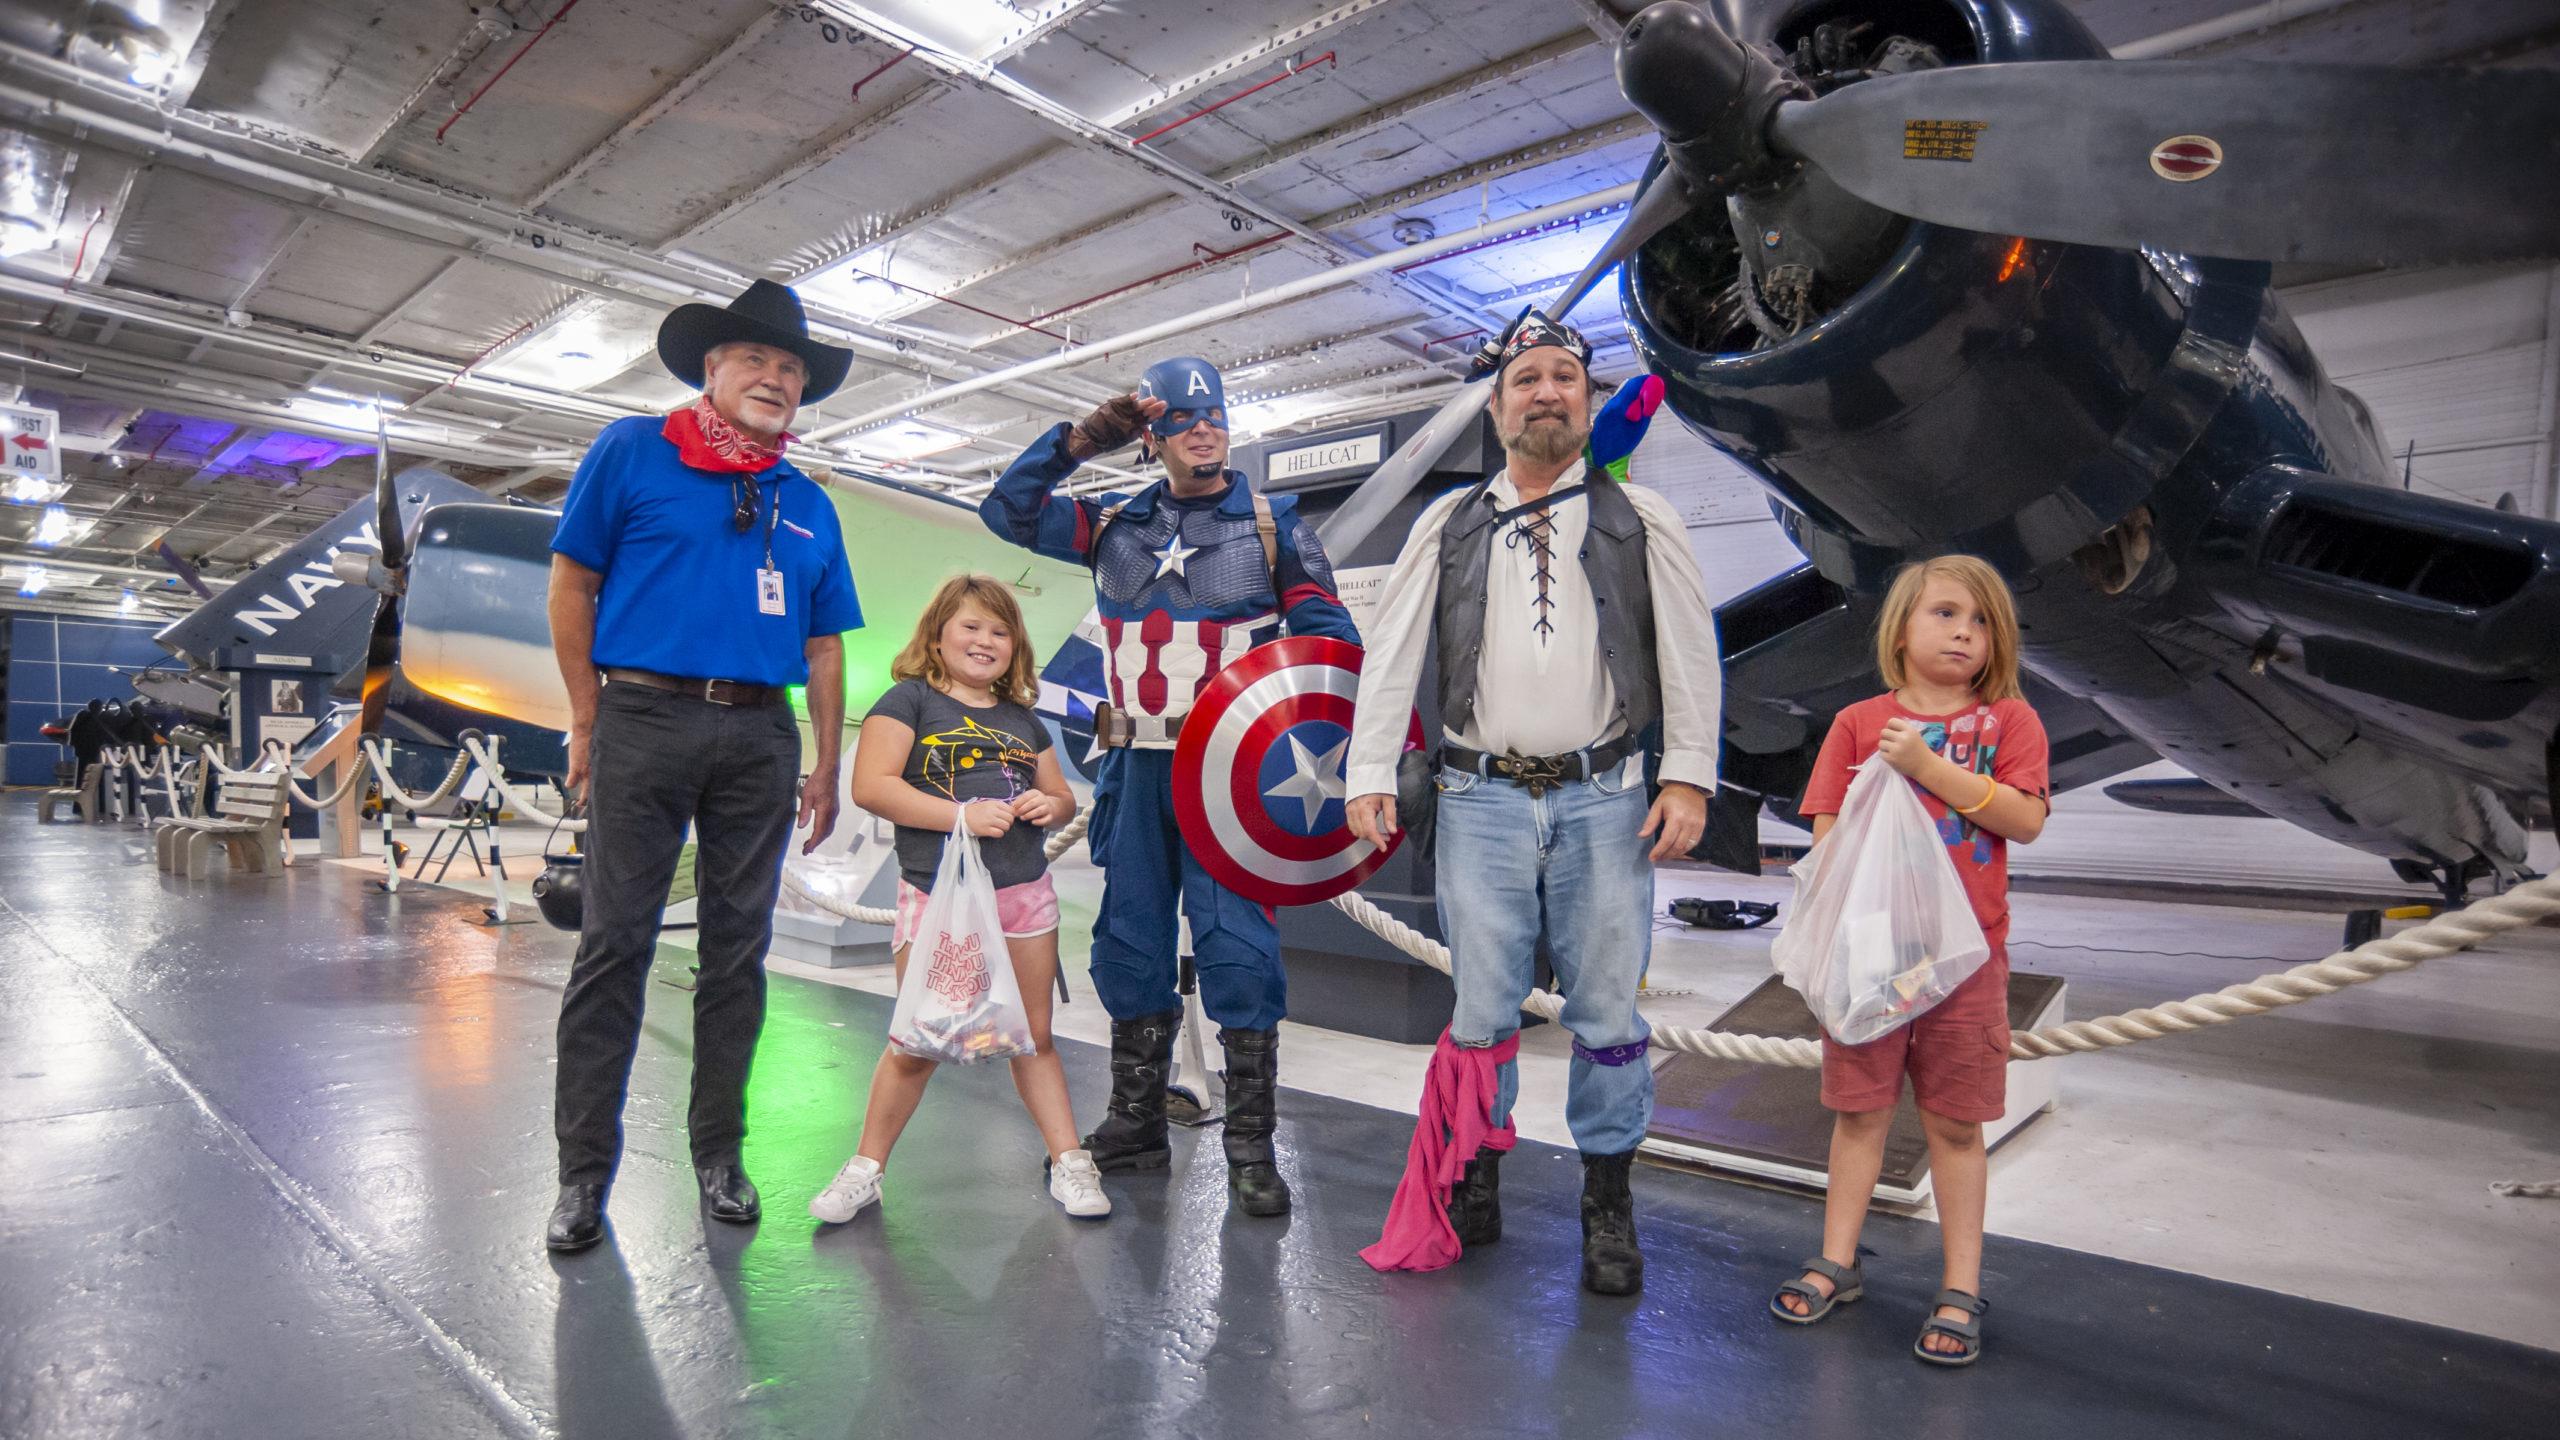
x=1191, y=391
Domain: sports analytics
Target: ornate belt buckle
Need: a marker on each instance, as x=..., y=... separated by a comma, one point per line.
x=1536, y=774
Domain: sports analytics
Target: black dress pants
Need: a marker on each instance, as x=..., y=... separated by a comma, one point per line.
x=659, y=762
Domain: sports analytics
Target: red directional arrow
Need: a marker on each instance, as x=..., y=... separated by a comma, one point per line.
x=28, y=441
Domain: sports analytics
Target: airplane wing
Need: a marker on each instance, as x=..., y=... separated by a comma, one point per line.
x=1797, y=649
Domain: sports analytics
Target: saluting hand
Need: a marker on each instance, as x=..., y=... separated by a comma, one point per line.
x=1114, y=423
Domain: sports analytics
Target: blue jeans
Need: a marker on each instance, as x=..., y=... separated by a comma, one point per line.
x=1568, y=866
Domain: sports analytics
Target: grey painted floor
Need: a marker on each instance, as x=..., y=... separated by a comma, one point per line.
x=277, y=1154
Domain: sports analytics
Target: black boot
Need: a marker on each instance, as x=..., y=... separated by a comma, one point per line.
x=1253, y=1078
x=1611, y=1263
x=729, y=1194
x=1475, y=1202
x=1132, y=1135
x=577, y=1221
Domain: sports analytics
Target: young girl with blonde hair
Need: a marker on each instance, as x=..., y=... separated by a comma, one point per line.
x=954, y=741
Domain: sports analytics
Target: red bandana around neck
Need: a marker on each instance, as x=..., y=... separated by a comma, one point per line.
x=705, y=440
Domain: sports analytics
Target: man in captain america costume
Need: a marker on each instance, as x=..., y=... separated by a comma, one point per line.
x=1189, y=573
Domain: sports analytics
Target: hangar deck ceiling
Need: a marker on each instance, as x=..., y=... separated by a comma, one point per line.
x=236, y=225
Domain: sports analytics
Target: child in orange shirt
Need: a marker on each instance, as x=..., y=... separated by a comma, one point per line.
x=1956, y=723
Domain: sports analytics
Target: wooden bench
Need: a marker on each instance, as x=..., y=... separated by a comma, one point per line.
x=248, y=823
x=82, y=797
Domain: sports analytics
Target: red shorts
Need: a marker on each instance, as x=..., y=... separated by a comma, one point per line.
x=1956, y=1053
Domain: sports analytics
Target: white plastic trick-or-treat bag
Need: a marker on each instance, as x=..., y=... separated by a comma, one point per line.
x=958, y=1002
x=1881, y=928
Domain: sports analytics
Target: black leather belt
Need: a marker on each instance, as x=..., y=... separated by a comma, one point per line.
x=1540, y=773
x=718, y=692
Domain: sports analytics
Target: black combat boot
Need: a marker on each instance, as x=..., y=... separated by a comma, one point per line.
x=1132, y=1135
x=1475, y=1202
x=1253, y=1078
x=1611, y=1263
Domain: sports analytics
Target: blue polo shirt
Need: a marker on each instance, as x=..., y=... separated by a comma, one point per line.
x=679, y=594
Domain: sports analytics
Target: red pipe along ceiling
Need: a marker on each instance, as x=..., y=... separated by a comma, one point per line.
x=561, y=14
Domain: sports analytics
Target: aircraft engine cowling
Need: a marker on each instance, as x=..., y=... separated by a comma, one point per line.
x=468, y=634
x=1846, y=359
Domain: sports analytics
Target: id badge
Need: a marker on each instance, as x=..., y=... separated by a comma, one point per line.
x=769, y=592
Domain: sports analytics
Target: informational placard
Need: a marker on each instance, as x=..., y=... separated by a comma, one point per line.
x=1326, y=457
x=288, y=728
x=31, y=444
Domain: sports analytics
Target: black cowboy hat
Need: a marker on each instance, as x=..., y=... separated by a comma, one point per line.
x=768, y=314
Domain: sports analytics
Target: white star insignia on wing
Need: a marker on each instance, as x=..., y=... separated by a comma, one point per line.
x=1318, y=778
x=1169, y=560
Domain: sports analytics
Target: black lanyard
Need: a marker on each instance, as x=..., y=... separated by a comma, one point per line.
x=772, y=522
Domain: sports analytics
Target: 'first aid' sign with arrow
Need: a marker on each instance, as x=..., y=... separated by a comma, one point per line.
x=30, y=443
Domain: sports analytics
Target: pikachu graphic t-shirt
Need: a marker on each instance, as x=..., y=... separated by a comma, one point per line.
x=968, y=752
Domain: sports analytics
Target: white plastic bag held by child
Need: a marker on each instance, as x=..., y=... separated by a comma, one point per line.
x=958, y=1002
x=1880, y=929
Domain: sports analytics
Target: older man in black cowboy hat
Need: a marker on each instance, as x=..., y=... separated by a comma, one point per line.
x=695, y=574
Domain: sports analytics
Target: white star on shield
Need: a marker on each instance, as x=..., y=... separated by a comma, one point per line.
x=1169, y=560
x=1318, y=778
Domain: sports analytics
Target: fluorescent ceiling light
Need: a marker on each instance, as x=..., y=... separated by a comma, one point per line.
x=853, y=286
x=24, y=235
x=28, y=490
x=56, y=527
x=128, y=604
x=591, y=342
x=904, y=440
x=971, y=29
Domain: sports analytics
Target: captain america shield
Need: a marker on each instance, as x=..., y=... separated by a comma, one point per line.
x=1258, y=774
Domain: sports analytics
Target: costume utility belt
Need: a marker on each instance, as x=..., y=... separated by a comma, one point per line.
x=717, y=692
x=1538, y=774
x=1117, y=729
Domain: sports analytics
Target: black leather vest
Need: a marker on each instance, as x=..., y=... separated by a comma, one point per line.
x=1613, y=557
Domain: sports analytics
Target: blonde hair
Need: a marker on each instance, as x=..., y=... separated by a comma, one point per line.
x=1998, y=678
x=1020, y=682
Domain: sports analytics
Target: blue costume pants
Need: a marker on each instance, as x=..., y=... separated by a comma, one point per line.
x=1146, y=868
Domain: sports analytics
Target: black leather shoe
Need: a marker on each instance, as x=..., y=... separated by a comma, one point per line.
x=577, y=1221
x=1254, y=1184
x=1611, y=1263
x=731, y=1196
x=1132, y=1135
x=1475, y=1202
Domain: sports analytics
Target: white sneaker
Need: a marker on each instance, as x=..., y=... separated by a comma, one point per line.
x=1077, y=1186
x=856, y=1185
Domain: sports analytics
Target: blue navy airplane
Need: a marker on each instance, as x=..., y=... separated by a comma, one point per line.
x=1944, y=278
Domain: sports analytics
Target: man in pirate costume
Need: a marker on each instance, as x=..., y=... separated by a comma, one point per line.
x=695, y=574
x=1577, y=660
x=1189, y=573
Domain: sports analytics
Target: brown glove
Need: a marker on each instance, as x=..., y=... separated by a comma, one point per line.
x=1114, y=423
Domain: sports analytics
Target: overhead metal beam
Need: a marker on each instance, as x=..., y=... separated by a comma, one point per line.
x=843, y=138
x=667, y=99
x=1368, y=122
x=226, y=461
x=1106, y=139
x=82, y=106
x=1468, y=176
x=1280, y=42
x=1039, y=25
x=1603, y=22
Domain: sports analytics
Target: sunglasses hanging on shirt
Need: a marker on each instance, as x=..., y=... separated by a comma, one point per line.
x=742, y=517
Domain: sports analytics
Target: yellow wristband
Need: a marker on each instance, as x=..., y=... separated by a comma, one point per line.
x=1987, y=797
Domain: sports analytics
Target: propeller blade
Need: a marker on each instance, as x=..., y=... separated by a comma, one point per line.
x=1660, y=203
x=2328, y=163
x=386, y=498
x=1344, y=529
x=1656, y=207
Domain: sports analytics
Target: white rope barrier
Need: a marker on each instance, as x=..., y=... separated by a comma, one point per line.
x=2528, y=1189
x=485, y=750
x=379, y=753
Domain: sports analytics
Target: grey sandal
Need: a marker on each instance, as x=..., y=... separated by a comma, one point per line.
x=1965, y=1332
x=1848, y=1285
